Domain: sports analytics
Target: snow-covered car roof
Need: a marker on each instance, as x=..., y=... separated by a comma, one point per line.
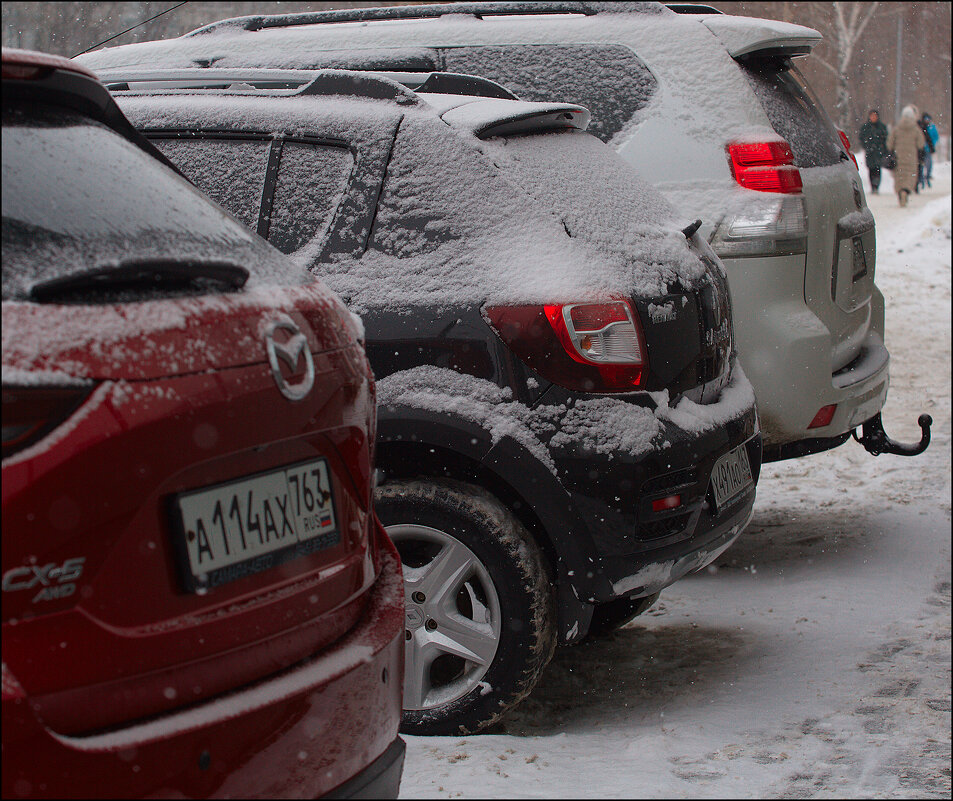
x=286, y=40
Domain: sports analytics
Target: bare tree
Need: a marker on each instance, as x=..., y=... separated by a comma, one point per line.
x=849, y=20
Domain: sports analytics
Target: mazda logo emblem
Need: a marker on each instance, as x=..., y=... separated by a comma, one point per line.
x=290, y=352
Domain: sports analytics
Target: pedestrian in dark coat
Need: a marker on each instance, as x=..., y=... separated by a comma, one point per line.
x=931, y=137
x=907, y=140
x=873, y=138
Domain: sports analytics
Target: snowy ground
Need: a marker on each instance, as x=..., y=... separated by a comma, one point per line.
x=814, y=659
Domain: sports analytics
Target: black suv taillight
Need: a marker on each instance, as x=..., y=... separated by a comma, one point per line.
x=32, y=412
x=592, y=347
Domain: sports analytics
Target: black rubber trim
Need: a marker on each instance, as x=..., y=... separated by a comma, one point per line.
x=802, y=447
x=380, y=779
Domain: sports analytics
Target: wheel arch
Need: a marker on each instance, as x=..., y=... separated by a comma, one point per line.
x=412, y=442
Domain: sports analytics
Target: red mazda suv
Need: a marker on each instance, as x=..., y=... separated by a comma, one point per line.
x=198, y=599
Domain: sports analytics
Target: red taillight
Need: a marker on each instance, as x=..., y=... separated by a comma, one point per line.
x=29, y=413
x=824, y=416
x=764, y=166
x=846, y=143
x=593, y=347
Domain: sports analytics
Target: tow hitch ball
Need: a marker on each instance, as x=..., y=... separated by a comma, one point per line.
x=876, y=441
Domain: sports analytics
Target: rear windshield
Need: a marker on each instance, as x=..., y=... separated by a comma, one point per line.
x=592, y=190
x=609, y=80
x=794, y=111
x=77, y=196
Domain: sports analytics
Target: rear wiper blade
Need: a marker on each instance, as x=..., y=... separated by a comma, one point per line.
x=159, y=274
x=690, y=229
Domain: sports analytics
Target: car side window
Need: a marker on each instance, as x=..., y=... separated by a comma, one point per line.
x=312, y=180
x=609, y=80
x=230, y=171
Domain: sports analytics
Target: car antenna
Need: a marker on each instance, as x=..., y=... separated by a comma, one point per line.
x=130, y=29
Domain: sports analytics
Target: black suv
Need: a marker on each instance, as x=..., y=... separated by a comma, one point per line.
x=563, y=427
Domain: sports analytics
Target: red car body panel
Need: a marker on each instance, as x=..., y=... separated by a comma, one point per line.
x=128, y=671
x=298, y=735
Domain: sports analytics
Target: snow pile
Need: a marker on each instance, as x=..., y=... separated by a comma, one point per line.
x=813, y=658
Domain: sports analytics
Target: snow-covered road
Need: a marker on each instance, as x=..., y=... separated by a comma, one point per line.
x=814, y=659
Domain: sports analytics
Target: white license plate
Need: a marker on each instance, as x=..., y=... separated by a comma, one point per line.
x=247, y=526
x=731, y=476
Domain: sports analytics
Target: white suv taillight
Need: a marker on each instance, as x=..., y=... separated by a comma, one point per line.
x=846, y=143
x=764, y=166
x=774, y=226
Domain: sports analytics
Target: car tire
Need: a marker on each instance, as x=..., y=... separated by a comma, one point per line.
x=476, y=585
x=611, y=616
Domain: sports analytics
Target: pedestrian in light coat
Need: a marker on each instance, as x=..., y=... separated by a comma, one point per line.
x=873, y=138
x=906, y=139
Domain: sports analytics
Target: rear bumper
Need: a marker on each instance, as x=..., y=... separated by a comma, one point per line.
x=635, y=549
x=787, y=353
x=299, y=734
x=380, y=779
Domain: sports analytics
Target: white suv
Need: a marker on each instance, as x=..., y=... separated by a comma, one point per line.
x=711, y=109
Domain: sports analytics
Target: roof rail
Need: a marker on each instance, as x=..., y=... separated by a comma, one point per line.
x=692, y=8
x=366, y=83
x=258, y=22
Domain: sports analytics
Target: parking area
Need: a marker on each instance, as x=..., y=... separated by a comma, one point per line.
x=814, y=661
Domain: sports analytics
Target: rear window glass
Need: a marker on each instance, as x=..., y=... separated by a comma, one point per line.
x=230, y=171
x=596, y=195
x=312, y=179
x=794, y=111
x=77, y=196
x=609, y=80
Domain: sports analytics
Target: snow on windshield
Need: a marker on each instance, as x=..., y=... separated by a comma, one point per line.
x=57, y=220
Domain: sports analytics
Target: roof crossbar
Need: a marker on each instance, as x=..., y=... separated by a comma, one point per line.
x=258, y=22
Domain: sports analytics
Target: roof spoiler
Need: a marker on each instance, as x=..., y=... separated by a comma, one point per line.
x=488, y=118
x=258, y=22
x=749, y=36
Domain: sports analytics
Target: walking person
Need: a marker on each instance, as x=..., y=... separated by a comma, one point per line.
x=906, y=139
x=931, y=136
x=873, y=138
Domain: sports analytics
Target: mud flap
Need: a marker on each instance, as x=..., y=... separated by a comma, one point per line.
x=572, y=615
x=876, y=441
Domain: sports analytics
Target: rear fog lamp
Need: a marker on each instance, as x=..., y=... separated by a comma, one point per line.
x=666, y=503
x=824, y=416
